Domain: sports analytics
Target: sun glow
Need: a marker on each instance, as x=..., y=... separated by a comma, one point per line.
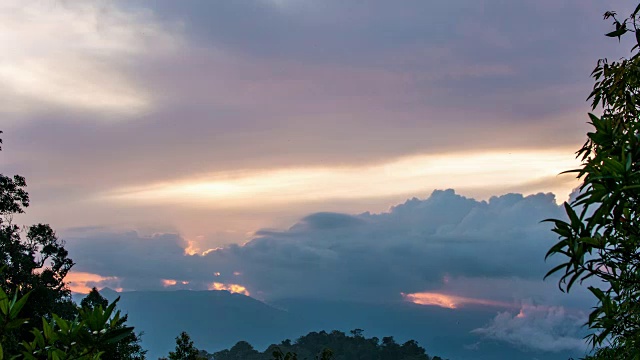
x=524, y=171
x=232, y=288
x=449, y=301
x=83, y=282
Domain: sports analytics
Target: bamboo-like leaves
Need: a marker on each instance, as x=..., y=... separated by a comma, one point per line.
x=599, y=239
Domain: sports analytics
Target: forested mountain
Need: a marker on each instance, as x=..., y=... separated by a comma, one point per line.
x=330, y=345
x=217, y=320
x=213, y=319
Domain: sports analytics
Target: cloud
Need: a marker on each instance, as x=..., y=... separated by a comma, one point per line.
x=448, y=301
x=401, y=176
x=464, y=247
x=137, y=262
x=82, y=282
x=538, y=327
x=73, y=56
x=225, y=87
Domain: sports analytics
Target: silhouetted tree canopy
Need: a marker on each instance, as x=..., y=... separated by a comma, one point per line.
x=33, y=260
x=334, y=345
x=185, y=350
x=600, y=237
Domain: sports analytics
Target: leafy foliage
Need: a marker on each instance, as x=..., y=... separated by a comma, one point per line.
x=601, y=239
x=126, y=348
x=83, y=338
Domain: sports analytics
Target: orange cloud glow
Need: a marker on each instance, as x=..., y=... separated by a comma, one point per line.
x=233, y=288
x=449, y=301
x=172, y=282
x=78, y=281
x=168, y=282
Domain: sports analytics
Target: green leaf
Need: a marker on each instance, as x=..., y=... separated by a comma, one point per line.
x=613, y=165
x=597, y=292
x=15, y=323
x=4, y=306
x=555, y=269
x=116, y=335
x=591, y=241
x=573, y=280
x=62, y=324
x=47, y=329
x=15, y=309
x=575, y=220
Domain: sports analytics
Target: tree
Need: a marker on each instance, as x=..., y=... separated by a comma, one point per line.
x=601, y=238
x=33, y=293
x=93, y=300
x=36, y=263
x=126, y=348
x=185, y=350
x=58, y=339
x=335, y=345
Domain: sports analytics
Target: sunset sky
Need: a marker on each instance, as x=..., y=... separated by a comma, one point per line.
x=255, y=145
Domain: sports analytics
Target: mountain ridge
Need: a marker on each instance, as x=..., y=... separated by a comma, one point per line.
x=218, y=319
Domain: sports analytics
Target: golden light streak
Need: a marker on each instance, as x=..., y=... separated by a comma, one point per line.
x=232, y=288
x=414, y=174
x=441, y=300
x=192, y=247
x=449, y=301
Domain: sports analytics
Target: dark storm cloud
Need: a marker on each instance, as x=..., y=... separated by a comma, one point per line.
x=412, y=248
x=487, y=250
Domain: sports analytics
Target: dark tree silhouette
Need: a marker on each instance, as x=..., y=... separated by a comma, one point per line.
x=124, y=349
x=600, y=237
x=335, y=345
x=185, y=350
x=33, y=261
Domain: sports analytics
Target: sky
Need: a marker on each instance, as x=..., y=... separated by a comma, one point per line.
x=370, y=150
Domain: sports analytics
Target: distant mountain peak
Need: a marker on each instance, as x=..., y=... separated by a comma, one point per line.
x=107, y=290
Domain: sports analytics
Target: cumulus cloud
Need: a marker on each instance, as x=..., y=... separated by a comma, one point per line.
x=446, y=242
x=538, y=327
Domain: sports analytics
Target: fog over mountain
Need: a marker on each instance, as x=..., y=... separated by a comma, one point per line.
x=218, y=319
